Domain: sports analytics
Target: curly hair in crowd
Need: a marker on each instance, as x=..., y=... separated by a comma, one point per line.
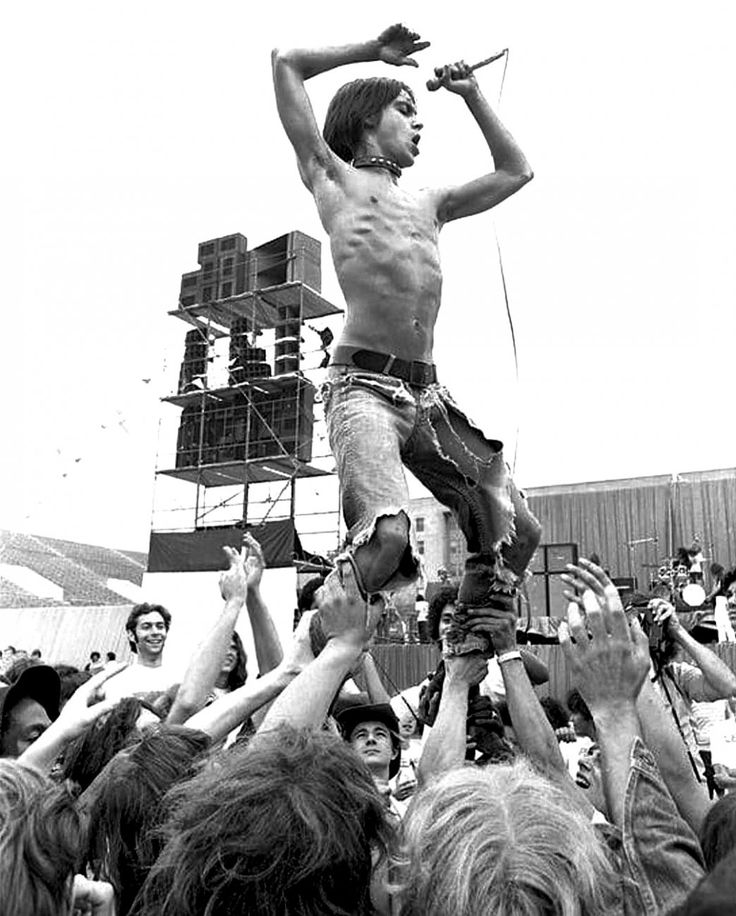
x=124, y=815
x=446, y=595
x=136, y=613
x=40, y=840
x=501, y=839
x=287, y=825
x=352, y=106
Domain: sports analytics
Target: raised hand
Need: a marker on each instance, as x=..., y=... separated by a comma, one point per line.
x=298, y=653
x=92, y=898
x=233, y=581
x=468, y=670
x=664, y=613
x=397, y=43
x=608, y=660
x=457, y=78
x=501, y=625
x=88, y=701
x=254, y=562
x=343, y=612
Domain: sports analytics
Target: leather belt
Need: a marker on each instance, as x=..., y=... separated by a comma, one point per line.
x=411, y=371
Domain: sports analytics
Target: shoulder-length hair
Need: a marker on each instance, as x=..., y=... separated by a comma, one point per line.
x=352, y=105
x=289, y=824
x=128, y=808
x=239, y=674
x=40, y=842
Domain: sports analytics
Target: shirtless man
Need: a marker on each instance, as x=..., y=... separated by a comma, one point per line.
x=383, y=404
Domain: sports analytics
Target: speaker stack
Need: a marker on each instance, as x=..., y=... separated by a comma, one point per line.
x=193, y=373
x=246, y=362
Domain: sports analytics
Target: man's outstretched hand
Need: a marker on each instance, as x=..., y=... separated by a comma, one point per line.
x=608, y=659
x=397, y=44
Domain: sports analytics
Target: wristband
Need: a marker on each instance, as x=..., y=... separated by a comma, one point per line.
x=508, y=656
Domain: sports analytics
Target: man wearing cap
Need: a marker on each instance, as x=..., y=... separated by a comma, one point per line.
x=372, y=730
x=27, y=708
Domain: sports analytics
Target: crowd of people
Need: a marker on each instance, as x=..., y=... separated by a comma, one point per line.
x=310, y=788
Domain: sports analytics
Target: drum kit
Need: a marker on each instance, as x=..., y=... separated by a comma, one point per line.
x=685, y=581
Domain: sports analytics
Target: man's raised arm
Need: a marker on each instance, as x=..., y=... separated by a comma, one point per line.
x=512, y=171
x=291, y=69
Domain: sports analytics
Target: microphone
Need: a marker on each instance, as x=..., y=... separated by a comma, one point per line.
x=435, y=84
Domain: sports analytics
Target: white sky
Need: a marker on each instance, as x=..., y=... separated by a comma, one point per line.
x=135, y=130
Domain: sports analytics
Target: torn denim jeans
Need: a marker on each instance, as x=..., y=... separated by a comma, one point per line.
x=378, y=425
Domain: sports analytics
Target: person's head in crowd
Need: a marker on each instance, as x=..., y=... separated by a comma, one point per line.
x=441, y=609
x=728, y=589
x=94, y=658
x=589, y=777
x=147, y=628
x=87, y=756
x=307, y=600
x=288, y=824
x=36, y=654
x=8, y=652
x=70, y=678
x=111, y=656
x=501, y=839
x=718, y=831
x=41, y=835
x=125, y=808
x=27, y=707
x=234, y=671
x=580, y=716
x=410, y=725
x=556, y=713
x=372, y=731
x=20, y=664
x=714, y=894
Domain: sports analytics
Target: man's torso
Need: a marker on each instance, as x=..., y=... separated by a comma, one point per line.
x=384, y=244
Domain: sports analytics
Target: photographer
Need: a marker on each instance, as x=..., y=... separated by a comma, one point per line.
x=679, y=684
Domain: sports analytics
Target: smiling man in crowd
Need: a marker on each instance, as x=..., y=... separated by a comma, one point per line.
x=147, y=628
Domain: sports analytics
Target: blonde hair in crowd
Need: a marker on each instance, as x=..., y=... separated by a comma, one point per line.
x=501, y=839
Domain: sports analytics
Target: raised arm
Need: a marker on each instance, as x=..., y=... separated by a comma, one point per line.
x=717, y=681
x=609, y=663
x=206, y=663
x=230, y=710
x=265, y=638
x=85, y=706
x=446, y=744
x=347, y=623
x=511, y=169
x=291, y=68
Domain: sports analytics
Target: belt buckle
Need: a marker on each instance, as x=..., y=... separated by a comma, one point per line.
x=418, y=373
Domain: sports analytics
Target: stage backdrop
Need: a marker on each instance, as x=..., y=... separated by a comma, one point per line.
x=634, y=524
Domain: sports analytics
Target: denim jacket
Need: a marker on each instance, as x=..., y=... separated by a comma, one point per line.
x=658, y=855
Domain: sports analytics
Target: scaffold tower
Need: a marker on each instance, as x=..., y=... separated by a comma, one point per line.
x=250, y=427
